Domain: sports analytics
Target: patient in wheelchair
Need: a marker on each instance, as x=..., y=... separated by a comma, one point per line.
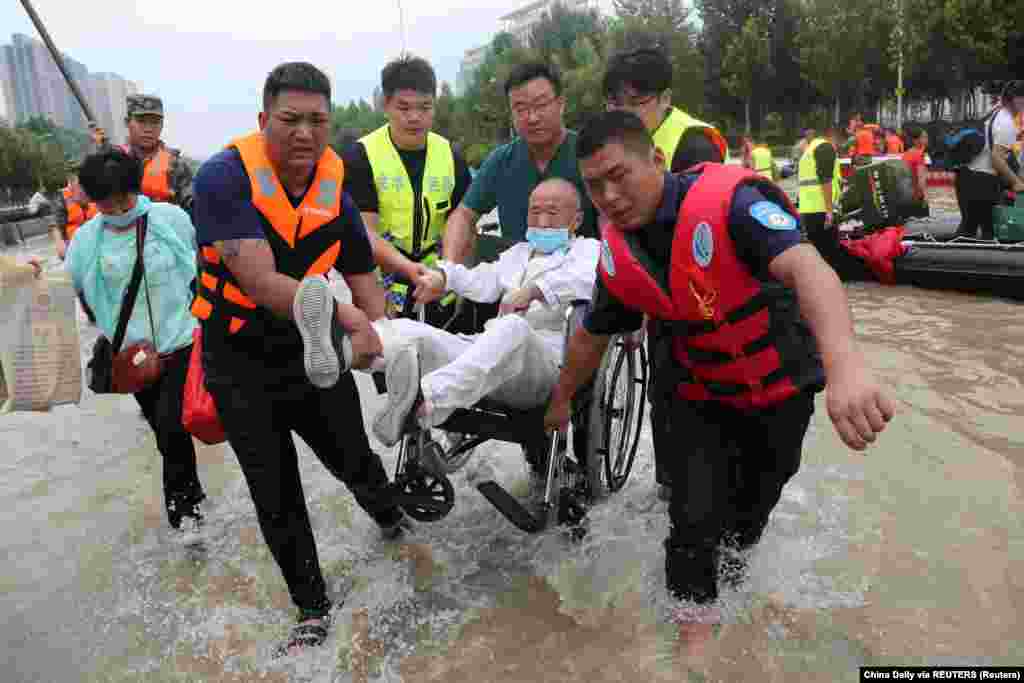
x=515, y=362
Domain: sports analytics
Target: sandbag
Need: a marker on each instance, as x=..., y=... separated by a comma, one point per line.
x=40, y=360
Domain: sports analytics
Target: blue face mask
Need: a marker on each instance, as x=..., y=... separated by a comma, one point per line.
x=548, y=240
x=129, y=217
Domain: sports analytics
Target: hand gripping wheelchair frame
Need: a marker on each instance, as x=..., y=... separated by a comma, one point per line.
x=607, y=415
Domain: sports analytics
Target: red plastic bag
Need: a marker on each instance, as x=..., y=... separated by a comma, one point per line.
x=198, y=411
x=879, y=251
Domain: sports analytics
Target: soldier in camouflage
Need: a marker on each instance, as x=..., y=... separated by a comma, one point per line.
x=167, y=177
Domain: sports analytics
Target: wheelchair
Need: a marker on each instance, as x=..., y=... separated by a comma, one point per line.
x=607, y=415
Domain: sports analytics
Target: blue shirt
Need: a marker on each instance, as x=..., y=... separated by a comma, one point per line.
x=100, y=261
x=751, y=225
x=509, y=175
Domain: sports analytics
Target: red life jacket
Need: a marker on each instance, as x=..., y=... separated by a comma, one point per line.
x=734, y=338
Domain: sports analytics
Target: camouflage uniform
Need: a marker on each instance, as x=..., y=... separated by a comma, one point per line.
x=179, y=172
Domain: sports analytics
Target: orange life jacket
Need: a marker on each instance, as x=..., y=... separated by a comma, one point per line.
x=156, y=177
x=728, y=336
x=300, y=246
x=894, y=145
x=864, y=142
x=76, y=214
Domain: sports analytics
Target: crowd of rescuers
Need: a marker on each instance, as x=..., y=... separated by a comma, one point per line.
x=272, y=217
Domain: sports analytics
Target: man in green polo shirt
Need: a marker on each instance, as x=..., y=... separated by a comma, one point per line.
x=542, y=149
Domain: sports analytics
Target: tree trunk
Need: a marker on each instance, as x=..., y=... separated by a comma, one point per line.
x=835, y=121
x=747, y=107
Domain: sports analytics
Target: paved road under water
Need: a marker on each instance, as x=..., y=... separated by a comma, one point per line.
x=910, y=554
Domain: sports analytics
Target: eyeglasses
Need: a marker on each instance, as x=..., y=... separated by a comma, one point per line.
x=631, y=101
x=523, y=111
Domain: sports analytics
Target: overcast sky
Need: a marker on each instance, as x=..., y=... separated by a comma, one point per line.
x=208, y=58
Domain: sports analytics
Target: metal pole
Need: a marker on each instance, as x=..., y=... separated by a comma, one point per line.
x=59, y=60
x=899, y=68
x=401, y=25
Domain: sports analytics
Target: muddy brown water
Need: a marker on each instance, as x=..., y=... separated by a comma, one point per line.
x=910, y=554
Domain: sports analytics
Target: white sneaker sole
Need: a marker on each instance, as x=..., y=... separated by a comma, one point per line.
x=191, y=537
x=313, y=310
x=403, y=380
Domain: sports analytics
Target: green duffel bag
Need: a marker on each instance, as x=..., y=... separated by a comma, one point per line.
x=1009, y=221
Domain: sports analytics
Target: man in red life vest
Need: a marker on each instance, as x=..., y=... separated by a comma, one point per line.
x=756, y=323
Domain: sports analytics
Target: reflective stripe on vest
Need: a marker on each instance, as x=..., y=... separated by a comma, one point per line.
x=397, y=197
x=670, y=132
x=733, y=337
x=811, y=198
x=763, y=163
x=156, y=177
x=292, y=228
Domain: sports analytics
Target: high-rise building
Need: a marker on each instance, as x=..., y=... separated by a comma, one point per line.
x=32, y=85
x=6, y=86
x=471, y=61
x=521, y=22
x=109, y=93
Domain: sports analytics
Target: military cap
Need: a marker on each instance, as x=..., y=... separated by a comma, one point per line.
x=139, y=105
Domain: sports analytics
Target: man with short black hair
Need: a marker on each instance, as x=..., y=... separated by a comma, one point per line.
x=269, y=213
x=820, y=184
x=166, y=176
x=980, y=185
x=640, y=81
x=544, y=148
x=406, y=181
x=717, y=257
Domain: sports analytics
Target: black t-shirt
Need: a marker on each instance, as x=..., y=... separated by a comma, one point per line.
x=825, y=161
x=359, y=175
x=694, y=147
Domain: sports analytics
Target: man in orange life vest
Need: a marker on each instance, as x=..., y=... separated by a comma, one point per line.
x=734, y=286
x=271, y=219
x=71, y=213
x=166, y=177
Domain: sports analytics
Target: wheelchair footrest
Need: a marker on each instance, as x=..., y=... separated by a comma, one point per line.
x=511, y=508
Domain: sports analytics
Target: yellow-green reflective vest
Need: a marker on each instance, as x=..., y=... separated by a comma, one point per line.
x=411, y=218
x=811, y=198
x=671, y=130
x=763, y=162
x=397, y=198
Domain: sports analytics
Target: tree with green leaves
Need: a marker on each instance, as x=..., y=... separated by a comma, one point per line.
x=747, y=62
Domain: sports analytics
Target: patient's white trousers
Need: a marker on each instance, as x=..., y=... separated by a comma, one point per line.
x=510, y=363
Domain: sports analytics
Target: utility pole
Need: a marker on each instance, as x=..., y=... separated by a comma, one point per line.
x=401, y=25
x=59, y=61
x=899, y=64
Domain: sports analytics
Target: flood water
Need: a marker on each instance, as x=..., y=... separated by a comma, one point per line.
x=912, y=553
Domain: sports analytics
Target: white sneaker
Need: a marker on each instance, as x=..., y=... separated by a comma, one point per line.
x=327, y=351
x=190, y=532
x=403, y=380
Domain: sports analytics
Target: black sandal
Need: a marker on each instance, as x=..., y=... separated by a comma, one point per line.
x=310, y=632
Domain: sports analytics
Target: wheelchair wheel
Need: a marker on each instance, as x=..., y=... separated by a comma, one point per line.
x=615, y=418
x=425, y=497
